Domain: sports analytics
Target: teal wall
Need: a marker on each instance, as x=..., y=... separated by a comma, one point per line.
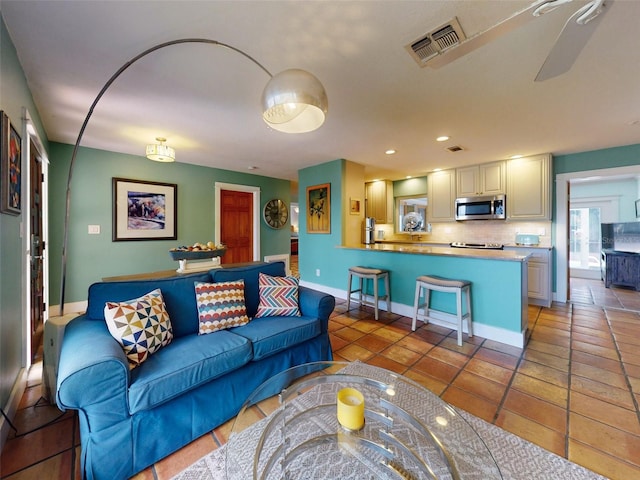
x=14, y=97
x=92, y=257
x=410, y=186
x=626, y=192
x=626, y=156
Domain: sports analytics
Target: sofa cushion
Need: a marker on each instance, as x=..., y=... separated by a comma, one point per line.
x=178, y=294
x=270, y=335
x=220, y=305
x=278, y=296
x=187, y=363
x=140, y=325
x=250, y=276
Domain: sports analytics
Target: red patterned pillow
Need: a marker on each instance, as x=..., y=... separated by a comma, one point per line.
x=220, y=305
x=278, y=296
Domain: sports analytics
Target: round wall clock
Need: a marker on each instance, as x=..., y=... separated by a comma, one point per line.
x=276, y=213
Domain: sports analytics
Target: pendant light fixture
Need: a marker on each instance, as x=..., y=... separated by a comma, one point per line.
x=159, y=152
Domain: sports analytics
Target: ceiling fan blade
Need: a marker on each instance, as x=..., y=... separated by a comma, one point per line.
x=569, y=44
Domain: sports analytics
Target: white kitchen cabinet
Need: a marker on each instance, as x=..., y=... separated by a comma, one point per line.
x=539, y=274
x=379, y=201
x=441, y=195
x=484, y=179
x=529, y=188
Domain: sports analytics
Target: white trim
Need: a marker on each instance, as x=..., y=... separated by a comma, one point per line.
x=497, y=334
x=283, y=257
x=219, y=186
x=562, y=198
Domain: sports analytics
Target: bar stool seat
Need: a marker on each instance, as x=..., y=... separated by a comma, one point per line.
x=446, y=285
x=364, y=274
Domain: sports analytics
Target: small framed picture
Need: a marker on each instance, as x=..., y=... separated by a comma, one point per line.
x=144, y=210
x=10, y=167
x=319, y=208
x=638, y=208
x=354, y=206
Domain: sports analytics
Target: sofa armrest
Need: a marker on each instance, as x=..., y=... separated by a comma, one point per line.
x=93, y=373
x=316, y=304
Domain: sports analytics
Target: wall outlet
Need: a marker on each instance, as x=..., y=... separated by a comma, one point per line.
x=542, y=231
x=317, y=272
x=94, y=229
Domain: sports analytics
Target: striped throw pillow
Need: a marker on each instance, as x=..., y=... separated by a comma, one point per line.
x=278, y=296
x=220, y=305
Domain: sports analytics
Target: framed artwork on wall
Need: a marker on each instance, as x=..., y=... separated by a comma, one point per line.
x=354, y=206
x=319, y=208
x=638, y=208
x=10, y=167
x=144, y=210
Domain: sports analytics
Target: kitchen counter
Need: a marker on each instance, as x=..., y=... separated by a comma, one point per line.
x=422, y=249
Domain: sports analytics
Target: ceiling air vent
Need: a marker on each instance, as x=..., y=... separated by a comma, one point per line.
x=435, y=42
x=455, y=148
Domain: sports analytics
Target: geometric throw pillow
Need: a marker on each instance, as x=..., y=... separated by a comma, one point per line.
x=141, y=325
x=278, y=296
x=220, y=305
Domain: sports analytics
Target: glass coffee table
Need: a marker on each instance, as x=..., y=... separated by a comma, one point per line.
x=409, y=432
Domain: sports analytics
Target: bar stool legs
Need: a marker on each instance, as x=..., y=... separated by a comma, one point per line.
x=439, y=284
x=374, y=274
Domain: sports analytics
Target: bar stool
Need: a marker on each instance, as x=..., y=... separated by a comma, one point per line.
x=363, y=274
x=440, y=284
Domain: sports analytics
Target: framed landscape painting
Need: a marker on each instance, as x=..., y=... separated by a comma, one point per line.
x=10, y=167
x=144, y=210
x=319, y=208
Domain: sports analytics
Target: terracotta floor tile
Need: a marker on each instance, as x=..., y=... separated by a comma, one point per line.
x=596, y=361
x=171, y=466
x=393, y=334
x=355, y=352
x=539, y=411
x=366, y=326
x=468, y=348
x=428, y=336
x=603, y=342
x=337, y=342
x=630, y=358
x=401, y=355
x=415, y=344
x=554, y=361
x=479, y=386
x=532, y=431
x=602, y=391
x=552, y=349
x=599, y=375
x=435, y=368
x=478, y=406
x=387, y=363
x=373, y=343
x=542, y=390
x=601, y=462
x=490, y=371
x=349, y=334
x=497, y=358
x=618, y=443
x=448, y=356
x=545, y=373
x=427, y=381
x=604, y=412
x=595, y=350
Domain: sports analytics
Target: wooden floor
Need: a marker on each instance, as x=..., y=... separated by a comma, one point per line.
x=573, y=390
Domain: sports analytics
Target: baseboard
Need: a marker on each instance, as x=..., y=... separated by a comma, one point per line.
x=515, y=339
x=12, y=404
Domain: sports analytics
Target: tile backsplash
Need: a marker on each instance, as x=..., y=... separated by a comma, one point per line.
x=488, y=231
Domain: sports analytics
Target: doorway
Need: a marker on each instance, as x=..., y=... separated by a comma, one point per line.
x=237, y=213
x=37, y=245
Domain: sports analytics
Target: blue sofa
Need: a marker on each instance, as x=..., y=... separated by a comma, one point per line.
x=129, y=419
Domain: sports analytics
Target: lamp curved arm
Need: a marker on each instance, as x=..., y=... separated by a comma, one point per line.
x=106, y=86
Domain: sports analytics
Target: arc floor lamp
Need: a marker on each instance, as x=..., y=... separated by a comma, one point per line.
x=294, y=101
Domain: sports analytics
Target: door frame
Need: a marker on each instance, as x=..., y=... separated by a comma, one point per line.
x=255, y=191
x=562, y=221
x=30, y=134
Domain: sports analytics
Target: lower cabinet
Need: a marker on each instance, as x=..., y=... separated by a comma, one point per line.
x=621, y=268
x=539, y=274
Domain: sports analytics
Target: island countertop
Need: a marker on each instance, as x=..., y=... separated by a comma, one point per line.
x=508, y=255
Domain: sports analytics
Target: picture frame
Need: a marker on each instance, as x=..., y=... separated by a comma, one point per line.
x=354, y=206
x=144, y=210
x=10, y=167
x=638, y=208
x=319, y=208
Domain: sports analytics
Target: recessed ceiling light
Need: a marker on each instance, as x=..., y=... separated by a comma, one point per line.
x=514, y=157
x=443, y=138
x=252, y=167
x=437, y=169
x=391, y=151
x=408, y=176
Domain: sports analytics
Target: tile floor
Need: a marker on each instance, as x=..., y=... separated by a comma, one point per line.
x=574, y=389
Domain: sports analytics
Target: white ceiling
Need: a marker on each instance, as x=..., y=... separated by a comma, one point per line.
x=206, y=99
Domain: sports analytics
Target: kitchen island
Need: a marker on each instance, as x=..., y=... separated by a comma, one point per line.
x=498, y=277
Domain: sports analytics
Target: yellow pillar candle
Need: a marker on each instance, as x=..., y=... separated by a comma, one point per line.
x=350, y=408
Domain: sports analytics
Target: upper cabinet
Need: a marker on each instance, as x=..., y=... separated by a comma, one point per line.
x=529, y=188
x=441, y=191
x=485, y=179
x=379, y=201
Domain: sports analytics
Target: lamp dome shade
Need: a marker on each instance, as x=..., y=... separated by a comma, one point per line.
x=159, y=152
x=294, y=101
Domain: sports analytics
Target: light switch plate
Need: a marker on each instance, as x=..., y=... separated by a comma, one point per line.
x=94, y=230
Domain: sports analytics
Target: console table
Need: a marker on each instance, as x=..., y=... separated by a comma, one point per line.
x=621, y=268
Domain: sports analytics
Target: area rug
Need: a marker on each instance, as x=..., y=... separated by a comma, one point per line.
x=516, y=458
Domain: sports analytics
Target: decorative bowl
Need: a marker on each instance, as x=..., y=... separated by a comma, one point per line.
x=196, y=254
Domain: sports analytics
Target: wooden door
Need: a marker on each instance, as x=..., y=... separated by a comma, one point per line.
x=37, y=246
x=236, y=225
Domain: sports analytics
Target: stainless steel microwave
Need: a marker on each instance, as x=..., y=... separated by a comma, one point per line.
x=481, y=208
